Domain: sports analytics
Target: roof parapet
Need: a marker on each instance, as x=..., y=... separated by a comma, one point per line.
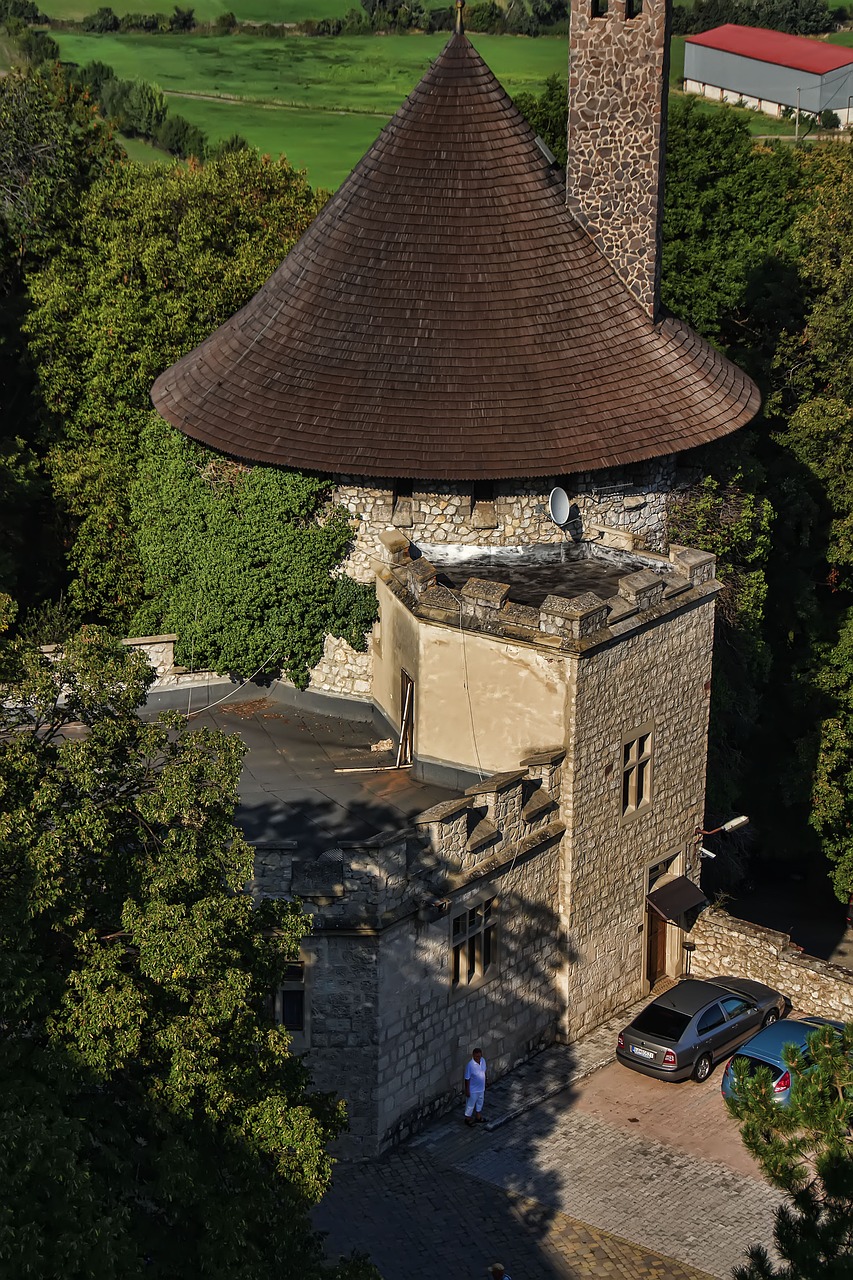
x=663, y=585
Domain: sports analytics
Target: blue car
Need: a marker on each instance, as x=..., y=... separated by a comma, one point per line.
x=765, y=1050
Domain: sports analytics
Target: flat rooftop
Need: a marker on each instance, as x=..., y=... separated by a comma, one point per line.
x=534, y=572
x=315, y=779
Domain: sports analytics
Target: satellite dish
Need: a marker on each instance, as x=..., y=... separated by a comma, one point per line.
x=559, y=506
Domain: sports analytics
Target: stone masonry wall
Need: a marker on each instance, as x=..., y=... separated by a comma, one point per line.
x=428, y=1031
x=342, y=1048
x=342, y=670
x=618, y=74
x=633, y=499
x=659, y=677
x=725, y=944
x=384, y=1028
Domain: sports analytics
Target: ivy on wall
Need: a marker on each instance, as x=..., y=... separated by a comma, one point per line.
x=240, y=561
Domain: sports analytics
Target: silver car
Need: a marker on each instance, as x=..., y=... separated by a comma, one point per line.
x=686, y=1030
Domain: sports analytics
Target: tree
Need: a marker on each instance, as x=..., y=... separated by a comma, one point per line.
x=548, y=114
x=101, y=22
x=162, y=257
x=181, y=138
x=182, y=19
x=142, y=1076
x=52, y=147
x=234, y=142
x=804, y=1149
x=225, y=23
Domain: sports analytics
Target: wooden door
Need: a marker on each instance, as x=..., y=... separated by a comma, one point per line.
x=656, y=959
x=406, y=749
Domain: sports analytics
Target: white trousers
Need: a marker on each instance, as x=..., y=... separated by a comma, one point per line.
x=474, y=1102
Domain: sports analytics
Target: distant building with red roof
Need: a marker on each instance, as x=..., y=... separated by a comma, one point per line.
x=768, y=70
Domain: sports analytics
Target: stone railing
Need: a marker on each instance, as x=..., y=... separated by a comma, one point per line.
x=724, y=944
x=665, y=582
x=342, y=670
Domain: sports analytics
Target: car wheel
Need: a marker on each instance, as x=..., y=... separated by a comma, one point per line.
x=770, y=1017
x=703, y=1066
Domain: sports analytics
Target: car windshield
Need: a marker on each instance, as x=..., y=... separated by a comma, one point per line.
x=657, y=1020
x=744, y=1064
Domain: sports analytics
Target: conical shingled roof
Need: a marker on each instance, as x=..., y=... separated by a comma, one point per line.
x=445, y=317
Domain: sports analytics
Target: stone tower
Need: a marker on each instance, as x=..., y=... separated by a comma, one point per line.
x=618, y=81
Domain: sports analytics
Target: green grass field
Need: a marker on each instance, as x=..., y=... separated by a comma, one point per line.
x=326, y=144
x=319, y=102
x=343, y=74
x=143, y=152
x=207, y=10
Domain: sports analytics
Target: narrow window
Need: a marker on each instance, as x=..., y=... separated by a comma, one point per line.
x=633, y=8
x=289, y=1002
x=598, y=8
x=483, y=509
x=636, y=772
x=473, y=944
x=403, y=505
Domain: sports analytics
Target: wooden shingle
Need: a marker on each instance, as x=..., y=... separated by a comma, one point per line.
x=445, y=318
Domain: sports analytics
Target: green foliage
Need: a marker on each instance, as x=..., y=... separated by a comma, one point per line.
x=239, y=561
x=162, y=257
x=52, y=147
x=225, y=24
x=727, y=514
x=236, y=142
x=813, y=406
x=832, y=790
x=135, y=106
x=548, y=114
x=38, y=48
x=182, y=19
x=143, y=1080
x=728, y=214
x=101, y=22
x=804, y=1150
x=798, y=17
x=177, y=136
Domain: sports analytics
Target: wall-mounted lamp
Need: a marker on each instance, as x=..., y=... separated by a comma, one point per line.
x=733, y=824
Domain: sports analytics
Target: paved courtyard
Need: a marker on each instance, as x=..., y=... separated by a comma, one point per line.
x=617, y=1175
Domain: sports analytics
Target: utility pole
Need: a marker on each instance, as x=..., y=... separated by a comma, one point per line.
x=797, y=125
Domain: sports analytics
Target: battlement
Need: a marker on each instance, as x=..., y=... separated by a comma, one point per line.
x=372, y=883
x=636, y=589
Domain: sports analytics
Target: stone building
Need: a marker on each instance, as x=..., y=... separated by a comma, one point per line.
x=458, y=332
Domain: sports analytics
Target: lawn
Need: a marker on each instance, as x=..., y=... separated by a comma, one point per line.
x=361, y=74
x=325, y=143
x=206, y=10
x=143, y=152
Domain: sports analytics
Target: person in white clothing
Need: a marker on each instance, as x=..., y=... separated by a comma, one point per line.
x=475, y=1087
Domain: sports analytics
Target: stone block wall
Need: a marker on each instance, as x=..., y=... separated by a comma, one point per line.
x=725, y=945
x=343, y=1036
x=427, y=1030
x=632, y=499
x=618, y=80
x=657, y=678
x=342, y=670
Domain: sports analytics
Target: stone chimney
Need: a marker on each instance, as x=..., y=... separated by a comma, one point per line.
x=618, y=82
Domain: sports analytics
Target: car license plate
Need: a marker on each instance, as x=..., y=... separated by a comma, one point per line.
x=641, y=1053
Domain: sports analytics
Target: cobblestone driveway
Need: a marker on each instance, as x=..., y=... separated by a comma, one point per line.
x=618, y=1175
